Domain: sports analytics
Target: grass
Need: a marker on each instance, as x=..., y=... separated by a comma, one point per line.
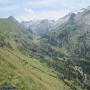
x=27, y=73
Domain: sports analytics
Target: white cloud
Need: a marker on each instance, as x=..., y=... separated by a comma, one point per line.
x=43, y=3
x=28, y=11
x=42, y=15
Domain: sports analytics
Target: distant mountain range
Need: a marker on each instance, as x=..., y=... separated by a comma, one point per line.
x=39, y=27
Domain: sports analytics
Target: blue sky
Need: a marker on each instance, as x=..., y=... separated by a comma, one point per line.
x=40, y=9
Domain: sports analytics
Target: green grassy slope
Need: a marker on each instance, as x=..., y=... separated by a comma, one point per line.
x=26, y=73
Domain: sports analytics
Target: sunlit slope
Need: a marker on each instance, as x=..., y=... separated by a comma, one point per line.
x=26, y=73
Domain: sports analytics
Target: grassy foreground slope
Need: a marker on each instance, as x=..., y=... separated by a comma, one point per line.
x=26, y=73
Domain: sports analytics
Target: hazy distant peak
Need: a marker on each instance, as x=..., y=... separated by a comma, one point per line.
x=11, y=17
